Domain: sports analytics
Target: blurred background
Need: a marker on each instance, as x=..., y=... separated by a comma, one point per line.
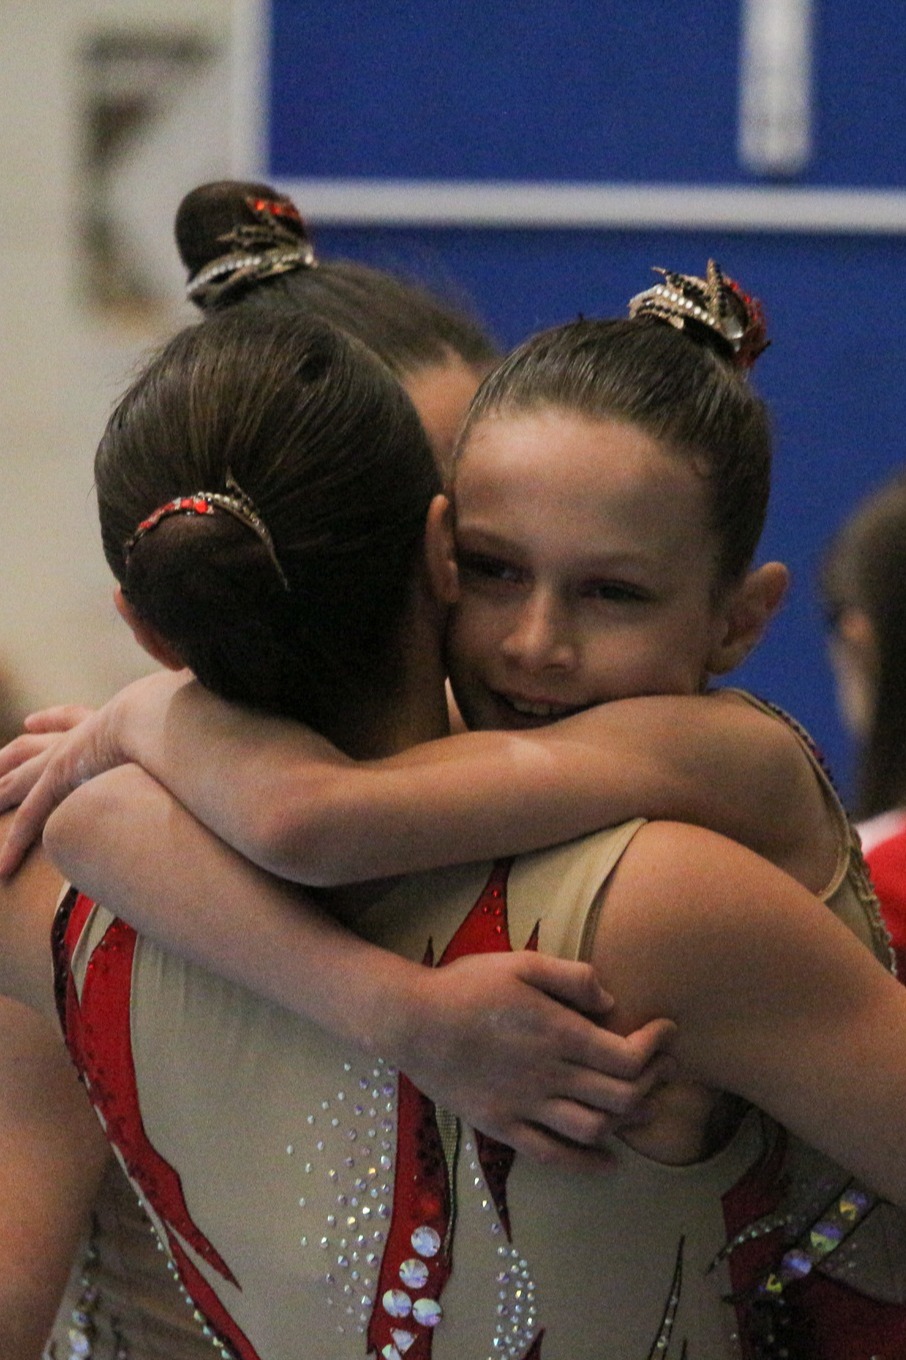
x=533, y=161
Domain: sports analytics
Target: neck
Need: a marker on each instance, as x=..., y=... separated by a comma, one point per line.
x=416, y=709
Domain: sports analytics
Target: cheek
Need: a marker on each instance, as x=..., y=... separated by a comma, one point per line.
x=474, y=626
x=656, y=660
x=683, y=657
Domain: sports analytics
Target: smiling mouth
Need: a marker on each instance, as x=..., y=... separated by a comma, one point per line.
x=542, y=711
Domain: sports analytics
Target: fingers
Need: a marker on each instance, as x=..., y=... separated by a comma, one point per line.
x=61, y=761
x=23, y=749
x=539, y=1145
x=575, y=984
x=17, y=784
x=520, y=1061
x=622, y=1102
x=598, y=1077
x=26, y=827
x=576, y=1122
x=589, y=1046
x=59, y=718
x=650, y=1039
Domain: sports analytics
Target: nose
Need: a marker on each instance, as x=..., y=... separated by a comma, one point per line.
x=541, y=637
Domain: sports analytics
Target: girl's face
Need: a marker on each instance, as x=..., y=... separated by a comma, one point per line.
x=586, y=569
x=441, y=394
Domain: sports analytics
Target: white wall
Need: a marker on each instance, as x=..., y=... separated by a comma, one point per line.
x=63, y=357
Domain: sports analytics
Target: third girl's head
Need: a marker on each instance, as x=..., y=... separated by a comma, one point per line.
x=862, y=589
x=610, y=489
x=246, y=247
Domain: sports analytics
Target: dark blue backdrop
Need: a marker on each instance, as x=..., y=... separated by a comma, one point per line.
x=602, y=91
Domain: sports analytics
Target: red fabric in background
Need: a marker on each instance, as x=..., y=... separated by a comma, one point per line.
x=887, y=866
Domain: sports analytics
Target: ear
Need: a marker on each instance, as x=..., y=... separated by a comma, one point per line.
x=440, y=552
x=745, y=614
x=146, y=636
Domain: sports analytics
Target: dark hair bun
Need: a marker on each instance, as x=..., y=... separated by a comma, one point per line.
x=232, y=233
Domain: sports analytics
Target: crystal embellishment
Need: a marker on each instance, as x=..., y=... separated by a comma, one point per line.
x=426, y=1241
x=397, y=1303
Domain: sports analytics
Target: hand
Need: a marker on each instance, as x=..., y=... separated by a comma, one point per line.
x=59, y=718
x=514, y=1045
x=59, y=761
x=42, y=731
x=24, y=759
x=61, y=749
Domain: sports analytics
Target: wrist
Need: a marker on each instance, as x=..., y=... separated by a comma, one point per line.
x=397, y=1012
x=137, y=718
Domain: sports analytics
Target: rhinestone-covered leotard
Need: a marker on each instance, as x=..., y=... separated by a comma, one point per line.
x=317, y=1205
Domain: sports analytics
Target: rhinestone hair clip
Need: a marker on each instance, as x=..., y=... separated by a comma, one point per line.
x=275, y=243
x=714, y=301
x=236, y=503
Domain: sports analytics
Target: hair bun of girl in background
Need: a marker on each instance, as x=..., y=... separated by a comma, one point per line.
x=234, y=235
x=231, y=235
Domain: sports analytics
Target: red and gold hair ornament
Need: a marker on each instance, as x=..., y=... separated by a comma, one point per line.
x=234, y=502
x=274, y=241
x=715, y=301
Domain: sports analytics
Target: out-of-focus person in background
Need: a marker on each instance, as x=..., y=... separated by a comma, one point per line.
x=863, y=590
x=245, y=245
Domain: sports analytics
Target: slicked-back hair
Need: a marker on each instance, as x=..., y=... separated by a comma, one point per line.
x=671, y=385
x=321, y=437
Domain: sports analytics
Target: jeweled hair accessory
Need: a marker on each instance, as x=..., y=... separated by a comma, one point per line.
x=236, y=503
x=714, y=301
x=274, y=242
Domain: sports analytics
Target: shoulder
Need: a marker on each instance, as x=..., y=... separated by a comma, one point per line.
x=781, y=743
x=803, y=821
x=686, y=909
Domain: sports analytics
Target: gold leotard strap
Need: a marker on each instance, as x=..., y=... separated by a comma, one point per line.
x=850, y=869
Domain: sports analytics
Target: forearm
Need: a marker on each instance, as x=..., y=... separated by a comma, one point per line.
x=293, y=804
x=306, y=813
x=511, y=1042
x=265, y=785
x=115, y=837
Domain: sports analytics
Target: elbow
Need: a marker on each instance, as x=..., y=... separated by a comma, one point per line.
x=86, y=826
x=64, y=837
x=292, y=835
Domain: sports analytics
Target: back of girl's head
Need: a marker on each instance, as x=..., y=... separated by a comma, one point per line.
x=292, y=603
x=680, y=385
x=244, y=244
x=864, y=570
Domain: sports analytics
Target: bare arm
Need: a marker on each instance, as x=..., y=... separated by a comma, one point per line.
x=293, y=804
x=773, y=998
x=500, y=1039
x=52, y=1150
x=52, y=1154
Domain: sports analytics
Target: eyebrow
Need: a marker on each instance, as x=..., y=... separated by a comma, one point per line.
x=489, y=540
